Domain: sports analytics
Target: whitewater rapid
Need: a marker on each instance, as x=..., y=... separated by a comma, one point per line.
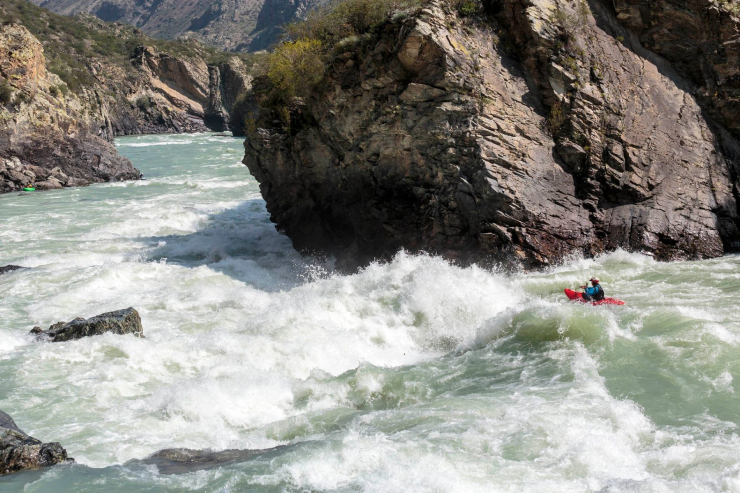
x=412, y=375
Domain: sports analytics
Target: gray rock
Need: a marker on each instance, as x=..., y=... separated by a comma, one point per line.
x=120, y=322
x=9, y=268
x=500, y=165
x=181, y=460
x=18, y=451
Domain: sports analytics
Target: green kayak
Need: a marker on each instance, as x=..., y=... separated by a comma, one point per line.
x=29, y=189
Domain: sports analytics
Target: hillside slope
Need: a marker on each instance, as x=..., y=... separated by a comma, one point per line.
x=69, y=85
x=234, y=25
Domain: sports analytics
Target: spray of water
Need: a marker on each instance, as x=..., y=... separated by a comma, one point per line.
x=411, y=375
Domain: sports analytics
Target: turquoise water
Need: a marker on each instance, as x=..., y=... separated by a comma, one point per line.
x=415, y=375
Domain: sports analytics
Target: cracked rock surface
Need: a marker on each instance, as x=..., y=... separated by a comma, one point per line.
x=501, y=137
x=18, y=451
x=119, y=322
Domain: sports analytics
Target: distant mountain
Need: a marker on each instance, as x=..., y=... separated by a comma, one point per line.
x=234, y=25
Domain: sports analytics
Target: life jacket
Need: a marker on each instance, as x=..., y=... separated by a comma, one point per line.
x=599, y=294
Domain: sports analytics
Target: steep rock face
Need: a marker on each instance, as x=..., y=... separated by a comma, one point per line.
x=18, y=451
x=61, y=111
x=701, y=39
x=435, y=137
x=235, y=25
x=46, y=139
x=230, y=87
x=175, y=94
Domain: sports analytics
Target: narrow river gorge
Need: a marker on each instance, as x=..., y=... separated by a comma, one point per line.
x=412, y=375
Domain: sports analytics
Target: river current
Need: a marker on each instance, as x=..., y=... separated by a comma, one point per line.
x=414, y=375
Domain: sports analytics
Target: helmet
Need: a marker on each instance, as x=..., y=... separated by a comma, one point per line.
x=595, y=280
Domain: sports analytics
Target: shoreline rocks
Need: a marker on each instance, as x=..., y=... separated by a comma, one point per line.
x=47, y=141
x=19, y=452
x=119, y=322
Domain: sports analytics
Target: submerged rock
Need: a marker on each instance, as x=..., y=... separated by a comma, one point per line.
x=181, y=460
x=18, y=451
x=121, y=322
x=9, y=268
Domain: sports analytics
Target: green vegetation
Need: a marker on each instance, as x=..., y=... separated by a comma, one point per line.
x=571, y=22
x=295, y=67
x=468, y=8
x=143, y=102
x=6, y=92
x=70, y=43
x=21, y=97
x=557, y=118
x=343, y=19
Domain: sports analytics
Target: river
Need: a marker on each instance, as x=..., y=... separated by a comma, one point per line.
x=413, y=375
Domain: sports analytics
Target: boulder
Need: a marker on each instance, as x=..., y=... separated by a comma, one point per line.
x=9, y=268
x=181, y=460
x=120, y=322
x=18, y=451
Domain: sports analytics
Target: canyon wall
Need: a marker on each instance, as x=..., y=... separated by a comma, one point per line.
x=528, y=132
x=68, y=90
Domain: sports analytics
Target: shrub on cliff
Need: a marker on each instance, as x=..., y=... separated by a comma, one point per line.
x=342, y=19
x=6, y=93
x=295, y=67
x=143, y=102
x=571, y=21
x=299, y=63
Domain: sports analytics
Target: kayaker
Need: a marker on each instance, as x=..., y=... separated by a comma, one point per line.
x=595, y=293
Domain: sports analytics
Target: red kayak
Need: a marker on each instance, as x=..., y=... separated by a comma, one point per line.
x=573, y=296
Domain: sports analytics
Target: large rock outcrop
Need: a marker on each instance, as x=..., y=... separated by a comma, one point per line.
x=512, y=135
x=18, y=451
x=701, y=39
x=203, y=94
x=59, y=113
x=47, y=140
x=120, y=322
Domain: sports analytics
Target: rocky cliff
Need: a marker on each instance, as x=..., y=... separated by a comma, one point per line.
x=525, y=130
x=235, y=25
x=68, y=86
x=47, y=140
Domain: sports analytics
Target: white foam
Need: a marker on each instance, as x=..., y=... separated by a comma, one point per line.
x=411, y=375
